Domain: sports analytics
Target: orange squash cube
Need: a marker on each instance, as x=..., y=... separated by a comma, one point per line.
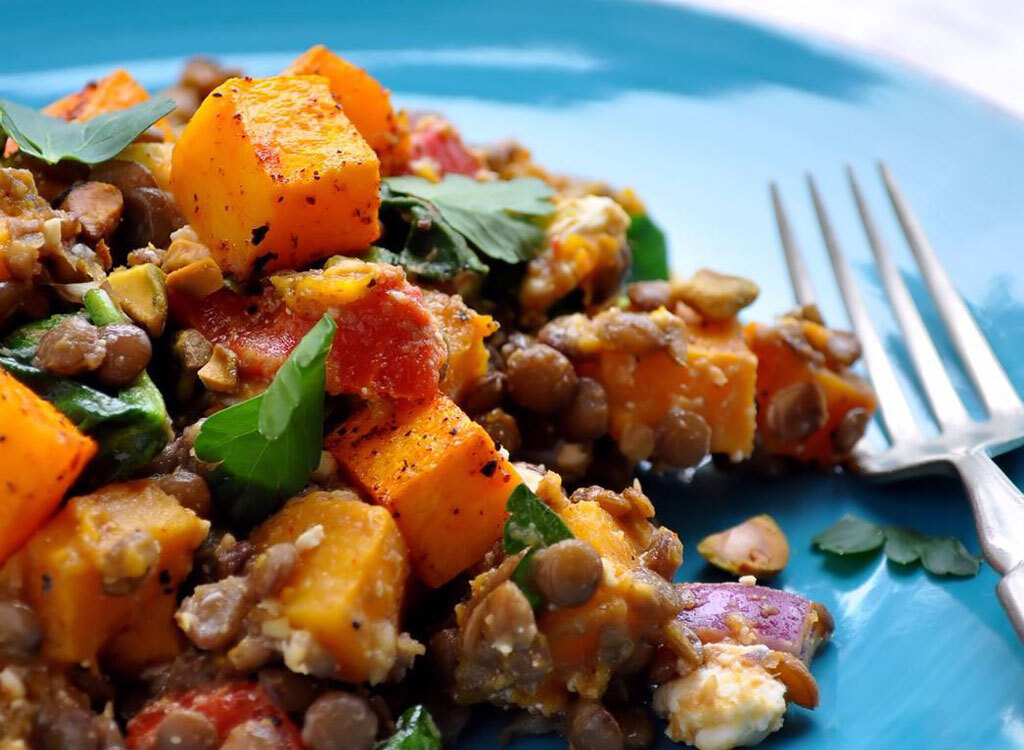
x=439, y=475
x=347, y=590
x=271, y=174
x=463, y=330
x=795, y=352
x=61, y=574
x=366, y=103
x=717, y=382
x=33, y=434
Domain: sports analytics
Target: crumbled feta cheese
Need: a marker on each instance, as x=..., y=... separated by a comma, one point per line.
x=310, y=538
x=729, y=701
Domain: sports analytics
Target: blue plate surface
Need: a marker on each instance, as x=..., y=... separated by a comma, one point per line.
x=697, y=113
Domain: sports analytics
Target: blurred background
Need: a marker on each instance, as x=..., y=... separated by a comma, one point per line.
x=977, y=45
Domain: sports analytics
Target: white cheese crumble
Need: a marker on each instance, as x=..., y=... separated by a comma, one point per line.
x=310, y=538
x=728, y=702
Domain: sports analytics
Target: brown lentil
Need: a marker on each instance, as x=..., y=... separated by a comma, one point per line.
x=541, y=379
x=123, y=174
x=182, y=729
x=212, y=616
x=128, y=351
x=567, y=573
x=682, y=438
x=586, y=417
x=503, y=429
x=637, y=730
x=594, y=728
x=649, y=295
x=485, y=393
x=70, y=728
x=71, y=347
x=630, y=332
x=127, y=562
x=189, y=488
x=796, y=411
x=21, y=632
x=293, y=693
x=850, y=430
x=339, y=721
x=150, y=215
x=269, y=571
x=253, y=735
x=97, y=205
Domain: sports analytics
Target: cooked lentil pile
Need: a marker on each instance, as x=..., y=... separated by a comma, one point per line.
x=318, y=428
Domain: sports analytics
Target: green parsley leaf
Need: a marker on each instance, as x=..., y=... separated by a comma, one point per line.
x=531, y=524
x=650, y=249
x=942, y=556
x=268, y=445
x=90, y=142
x=849, y=536
x=444, y=226
x=415, y=730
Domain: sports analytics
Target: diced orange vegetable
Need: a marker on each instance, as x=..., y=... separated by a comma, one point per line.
x=717, y=382
x=271, y=174
x=33, y=434
x=386, y=342
x=464, y=331
x=366, y=103
x=347, y=590
x=114, y=92
x=780, y=365
x=61, y=566
x=439, y=475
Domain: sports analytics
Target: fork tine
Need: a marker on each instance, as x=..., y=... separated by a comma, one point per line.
x=899, y=422
x=946, y=405
x=988, y=376
x=803, y=290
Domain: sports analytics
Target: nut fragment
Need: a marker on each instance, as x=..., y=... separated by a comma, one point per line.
x=97, y=205
x=714, y=295
x=755, y=547
x=220, y=373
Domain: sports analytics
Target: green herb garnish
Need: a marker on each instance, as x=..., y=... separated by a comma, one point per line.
x=90, y=142
x=438, y=230
x=268, y=445
x=415, y=730
x=130, y=426
x=943, y=556
x=650, y=249
x=531, y=525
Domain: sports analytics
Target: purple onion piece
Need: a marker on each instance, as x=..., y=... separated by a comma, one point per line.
x=756, y=615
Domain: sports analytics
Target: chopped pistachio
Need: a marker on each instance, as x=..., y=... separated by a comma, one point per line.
x=220, y=374
x=198, y=279
x=714, y=295
x=141, y=292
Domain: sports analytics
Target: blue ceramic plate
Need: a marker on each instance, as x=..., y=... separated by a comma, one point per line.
x=697, y=113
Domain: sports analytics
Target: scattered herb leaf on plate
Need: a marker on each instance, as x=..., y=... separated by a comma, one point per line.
x=942, y=556
x=451, y=221
x=268, y=445
x=90, y=142
x=414, y=730
x=649, y=247
x=531, y=524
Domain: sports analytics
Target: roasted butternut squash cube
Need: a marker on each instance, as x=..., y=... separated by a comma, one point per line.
x=108, y=566
x=33, y=435
x=439, y=475
x=366, y=103
x=810, y=406
x=271, y=174
x=464, y=331
x=717, y=382
x=347, y=588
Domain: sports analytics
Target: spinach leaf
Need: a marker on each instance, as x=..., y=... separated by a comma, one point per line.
x=90, y=142
x=444, y=226
x=268, y=445
x=942, y=556
x=649, y=247
x=415, y=730
x=130, y=426
x=531, y=524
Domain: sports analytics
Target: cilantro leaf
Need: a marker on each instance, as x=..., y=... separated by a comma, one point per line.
x=268, y=445
x=415, y=730
x=531, y=524
x=649, y=247
x=445, y=225
x=90, y=142
x=849, y=536
x=942, y=556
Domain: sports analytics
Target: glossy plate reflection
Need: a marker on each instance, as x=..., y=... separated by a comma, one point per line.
x=698, y=113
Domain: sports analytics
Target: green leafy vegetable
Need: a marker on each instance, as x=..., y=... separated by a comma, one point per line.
x=90, y=142
x=943, y=556
x=650, y=250
x=415, y=730
x=442, y=227
x=268, y=445
x=531, y=524
x=130, y=426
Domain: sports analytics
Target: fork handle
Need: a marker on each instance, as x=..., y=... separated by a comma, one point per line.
x=998, y=508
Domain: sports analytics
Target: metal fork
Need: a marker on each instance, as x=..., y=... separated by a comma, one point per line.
x=963, y=445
